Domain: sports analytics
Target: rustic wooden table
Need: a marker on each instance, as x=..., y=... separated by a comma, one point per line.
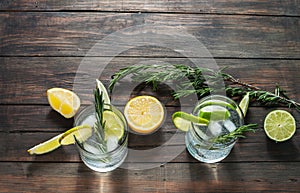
x=42, y=44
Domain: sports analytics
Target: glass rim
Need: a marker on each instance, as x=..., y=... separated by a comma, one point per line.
x=90, y=109
x=231, y=101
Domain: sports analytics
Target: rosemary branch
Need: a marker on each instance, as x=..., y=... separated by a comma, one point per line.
x=238, y=133
x=99, y=125
x=196, y=80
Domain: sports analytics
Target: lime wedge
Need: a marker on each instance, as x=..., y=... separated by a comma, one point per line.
x=82, y=133
x=214, y=112
x=182, y=120
x=244, y=104
x=102, y=88
x=46, y=146
x=279, y=125
x=113, y=125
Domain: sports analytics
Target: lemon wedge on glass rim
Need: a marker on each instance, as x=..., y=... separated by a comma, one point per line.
x=81, y=133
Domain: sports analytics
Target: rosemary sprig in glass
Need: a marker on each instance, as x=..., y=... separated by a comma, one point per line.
x=99, y=108
x=238, y=133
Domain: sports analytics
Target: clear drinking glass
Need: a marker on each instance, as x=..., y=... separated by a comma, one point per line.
x=224, y=116
x=99, y=155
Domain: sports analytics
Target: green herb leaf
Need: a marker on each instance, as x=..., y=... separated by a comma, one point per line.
x=239, y=132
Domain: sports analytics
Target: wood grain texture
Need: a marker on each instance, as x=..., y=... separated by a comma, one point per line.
x=14, y=149
x=43, y=42
x=74, y=33
x=228, y=177
x=263, y=7
x=18, y=133
x=26, y=79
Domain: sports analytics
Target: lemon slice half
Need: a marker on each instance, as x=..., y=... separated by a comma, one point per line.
x=144, y=114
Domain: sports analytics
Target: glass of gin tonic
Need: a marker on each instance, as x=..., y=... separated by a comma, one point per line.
x=224, y=116
x=103, y=151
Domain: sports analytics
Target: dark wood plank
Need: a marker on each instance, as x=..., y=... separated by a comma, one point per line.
x=20, y=132
x=74, y=33
x=14, y=148
x=266, y=7
x=26, y=79
x=175, y=177
x=19, y=118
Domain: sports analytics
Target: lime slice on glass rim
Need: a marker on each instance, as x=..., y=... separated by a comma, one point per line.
x=244, y=104
x=279, y=125
x=102, y=89
x=214, y=112
x=218, y=103
x=182, y=120
x=113, y=125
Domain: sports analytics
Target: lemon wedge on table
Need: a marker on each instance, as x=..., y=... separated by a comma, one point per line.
x=81, y=132
x=63, y=101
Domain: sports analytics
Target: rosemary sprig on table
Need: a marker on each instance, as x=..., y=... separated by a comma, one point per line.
x=238, y=133
x=196, y=80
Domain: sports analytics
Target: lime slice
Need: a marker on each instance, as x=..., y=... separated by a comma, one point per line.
x=279, y=125
x=82, y=133
x=113, y=125
x=214, y=112
x=183, y=120
x=244, y=104
x=46, y=146
x=102, y=88
x=218, y=103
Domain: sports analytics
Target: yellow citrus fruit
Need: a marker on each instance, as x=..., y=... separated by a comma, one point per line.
x=113, y=125
x=63, y=101
x=46, y=146
x=279, y=125
x=144, y=114
x=82, y=133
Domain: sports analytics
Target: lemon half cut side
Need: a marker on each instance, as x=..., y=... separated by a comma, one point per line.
x=144, y=114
